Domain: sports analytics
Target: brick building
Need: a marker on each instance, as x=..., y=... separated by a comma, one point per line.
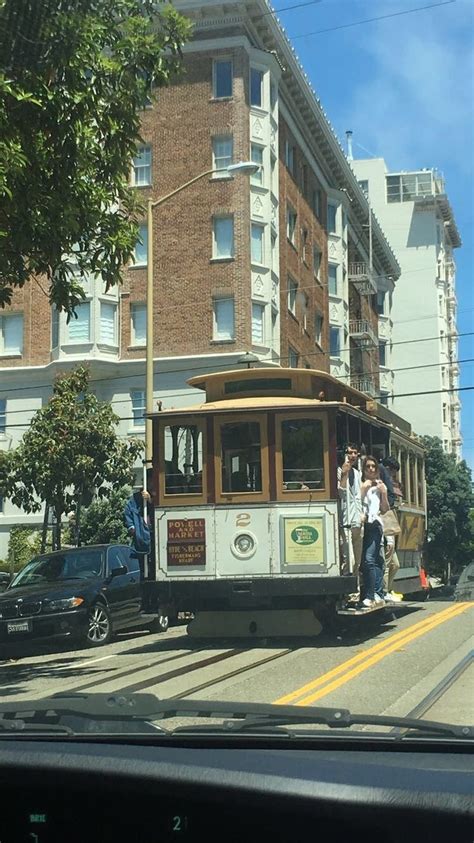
x=286, y=264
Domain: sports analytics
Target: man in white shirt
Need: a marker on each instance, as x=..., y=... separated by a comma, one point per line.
x=348, y=486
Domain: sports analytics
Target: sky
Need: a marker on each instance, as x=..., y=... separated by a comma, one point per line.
x=405, y=86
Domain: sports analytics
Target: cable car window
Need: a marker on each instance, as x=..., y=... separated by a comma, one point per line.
x=183, y=459
x=241, y=457
x=302, y=454
x=412, y=479
x=420, y=482
x=260, y=385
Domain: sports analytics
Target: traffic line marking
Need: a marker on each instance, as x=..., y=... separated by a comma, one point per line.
x=365, y=659
x=93, y=661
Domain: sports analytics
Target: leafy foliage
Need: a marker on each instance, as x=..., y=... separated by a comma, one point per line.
x=24, y=543
x=74, y=75
x=450, y=534
x=102, y=521
x=70, y=452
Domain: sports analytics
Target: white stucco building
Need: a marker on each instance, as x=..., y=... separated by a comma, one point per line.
x=416, y=216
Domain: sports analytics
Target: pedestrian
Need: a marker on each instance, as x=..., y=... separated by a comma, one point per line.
x=374, y=504
x=348, y=486
x=139, y=529
x=391, y=560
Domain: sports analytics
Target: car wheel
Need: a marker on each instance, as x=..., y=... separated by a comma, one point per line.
x=99, y=626
x=160, y=624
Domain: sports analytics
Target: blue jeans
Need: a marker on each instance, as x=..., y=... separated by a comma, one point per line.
x=372, y=566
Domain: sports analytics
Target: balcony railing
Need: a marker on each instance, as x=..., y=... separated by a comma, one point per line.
x=361, y=329
x=364, y=383
x=361, y=275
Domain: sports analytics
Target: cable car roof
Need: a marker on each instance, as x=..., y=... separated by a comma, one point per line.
x=280, y=389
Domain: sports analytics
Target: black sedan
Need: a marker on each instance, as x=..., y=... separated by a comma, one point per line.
x=85, y=593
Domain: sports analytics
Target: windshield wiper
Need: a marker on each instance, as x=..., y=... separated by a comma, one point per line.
x=246, y=717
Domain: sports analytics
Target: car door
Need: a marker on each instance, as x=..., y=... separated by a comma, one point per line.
x=123, y=586
x=134, y=583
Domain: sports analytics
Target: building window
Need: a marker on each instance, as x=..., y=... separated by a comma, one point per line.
x=142, y=167
x=332, y=279
x=383, y=398
x=317, y=257
x=332, y=211
x=138, y=324
x=222, y=81
x=334, y=341
x=138, y=407
x=445, y=414
x=258, y=324
x=364, y=186
x=317, y=204
x=54, y=327
x=304, y=180
x=383, y=353
x=291, y=217
x=256, y=87
x=108, y=323
x=304, y=245
x=293, y=357
x=224, y=327
x=274, y=325
x=256, y=153
x=406, y=187
x=290, y=156
x=275, y=261
x=79, y=328
x=223, y=237
x=141, y=247
x=3, y=416
x=257, y=250
x=11, y=333
x=305, y=313
x=318, y=328
x=380, y=306
x=292, y=293
x=222, y=152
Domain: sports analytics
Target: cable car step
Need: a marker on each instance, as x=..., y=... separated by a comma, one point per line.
x=262, y=623
x=355, y=611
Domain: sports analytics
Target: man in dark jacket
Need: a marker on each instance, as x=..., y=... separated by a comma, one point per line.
x=139, y=529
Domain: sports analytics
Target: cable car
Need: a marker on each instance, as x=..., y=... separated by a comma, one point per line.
x=247, y=521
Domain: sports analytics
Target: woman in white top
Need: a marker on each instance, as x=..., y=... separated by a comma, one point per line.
x=374, y=504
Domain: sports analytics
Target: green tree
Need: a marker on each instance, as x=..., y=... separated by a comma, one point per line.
x=74, y=75
x=102, y=521
x=450, y=532
x=70, y=452
x=23, y=544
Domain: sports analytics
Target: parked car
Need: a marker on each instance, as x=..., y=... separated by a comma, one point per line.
x=464, y=589
x=85, y=593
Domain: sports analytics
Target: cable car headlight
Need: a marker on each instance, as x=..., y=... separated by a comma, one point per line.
x=244, y=545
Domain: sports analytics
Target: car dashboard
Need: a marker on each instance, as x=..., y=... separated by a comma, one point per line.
x=105, y=791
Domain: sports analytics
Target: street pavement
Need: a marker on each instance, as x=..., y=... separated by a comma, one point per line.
x=374, y=664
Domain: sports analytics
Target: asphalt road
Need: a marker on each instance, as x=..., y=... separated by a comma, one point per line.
x=419, y=659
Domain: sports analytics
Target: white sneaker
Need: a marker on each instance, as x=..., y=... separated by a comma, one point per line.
x=389, y=598
x=394, y=598
x=378, y=598
x=368, y=604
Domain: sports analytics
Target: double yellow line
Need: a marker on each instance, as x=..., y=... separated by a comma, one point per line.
x=346, y=671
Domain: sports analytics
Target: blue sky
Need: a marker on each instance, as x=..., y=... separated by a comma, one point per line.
x=405, y=86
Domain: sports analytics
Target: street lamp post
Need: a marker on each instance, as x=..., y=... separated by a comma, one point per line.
x=242, y=168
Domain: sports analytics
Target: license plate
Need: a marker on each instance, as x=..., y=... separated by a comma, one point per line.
x=19, y=626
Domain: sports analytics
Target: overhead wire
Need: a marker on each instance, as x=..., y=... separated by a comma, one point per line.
x=206, y=368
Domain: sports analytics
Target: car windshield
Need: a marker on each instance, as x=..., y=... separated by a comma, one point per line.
x=58, y=567
x=237, y=357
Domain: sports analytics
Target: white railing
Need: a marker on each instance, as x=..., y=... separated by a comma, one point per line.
x=360, y=328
